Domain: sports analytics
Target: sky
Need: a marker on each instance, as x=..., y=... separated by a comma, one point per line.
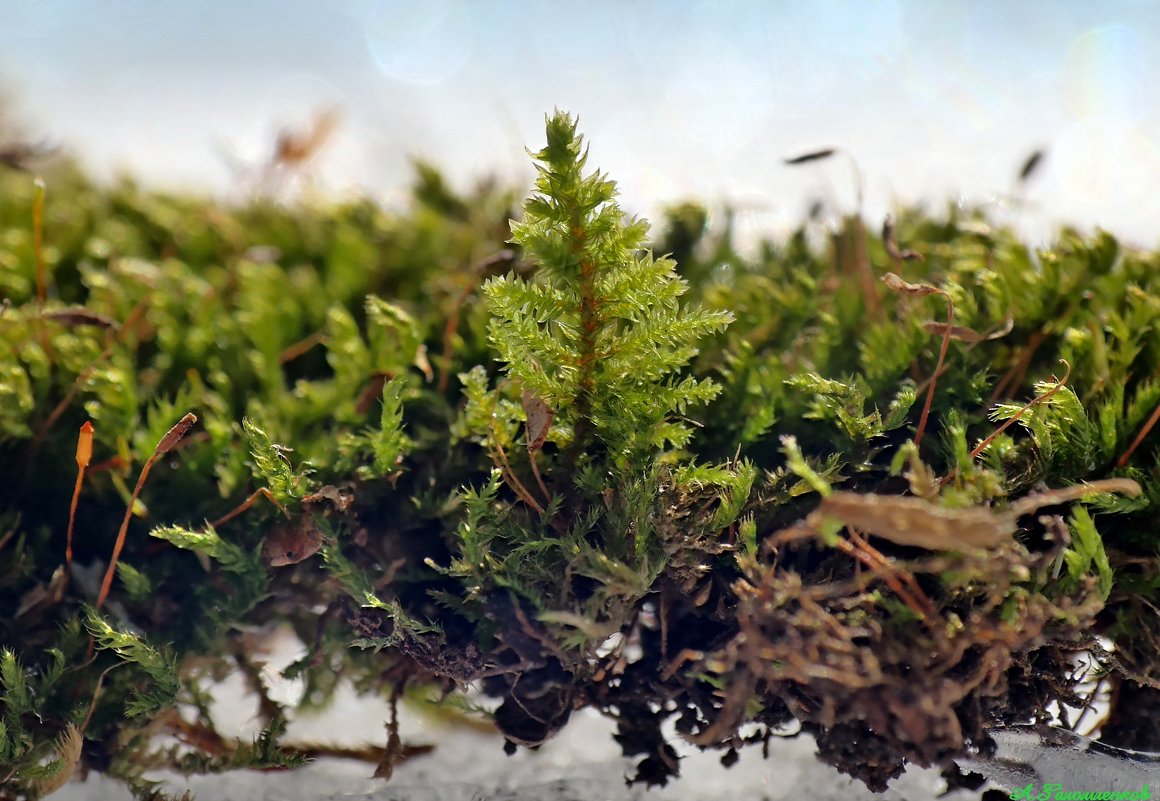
x=929, y=101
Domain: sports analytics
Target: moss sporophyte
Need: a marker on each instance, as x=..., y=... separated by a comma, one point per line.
x=448, y=450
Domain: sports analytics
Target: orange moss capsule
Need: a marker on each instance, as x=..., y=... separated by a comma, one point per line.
x=84, y=455
x=85, y=445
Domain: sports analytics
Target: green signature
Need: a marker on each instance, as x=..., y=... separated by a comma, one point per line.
x=1055, y=792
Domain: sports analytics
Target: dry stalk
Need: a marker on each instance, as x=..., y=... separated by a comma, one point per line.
x=164, y=446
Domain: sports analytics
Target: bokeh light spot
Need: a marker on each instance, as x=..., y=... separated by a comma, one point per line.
x=422, y=43
x=1109, y=168
x=1104, y=73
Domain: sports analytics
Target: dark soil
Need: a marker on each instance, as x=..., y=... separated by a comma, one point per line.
x=1134, y=722
x=823, y=646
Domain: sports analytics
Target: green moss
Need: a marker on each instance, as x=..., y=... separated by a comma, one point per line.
x=506, y=452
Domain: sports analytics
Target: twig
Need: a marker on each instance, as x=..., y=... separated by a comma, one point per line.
x=509, y=474
x=880, y=566
x=476, y=272
x=97, y=692
x=261, y=492
x=1088, y=706
x=1036, y=400
x=865, y=268
x=902, y=287
x=1014, y=376
x=539, y=478
x=968, y=346
x=686, y=655
x=1053, y=497
x=300, y=347
x=942, y=354
x=1123, y=460
x=928, y=608
x=449, y=337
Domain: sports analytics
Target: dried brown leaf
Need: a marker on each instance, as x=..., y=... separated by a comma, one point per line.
x=960, y=333
x=1051, y=497
x=964, y=334
x=915, y=522
x=341, y=499
x=291, y=543
x=44, y=596
x=888, y=235
x=539, y=420
x=891, y=244
x=896, y=284
x=77, y=317
x=1006, y=328
x=423, y=363
x=68, y=750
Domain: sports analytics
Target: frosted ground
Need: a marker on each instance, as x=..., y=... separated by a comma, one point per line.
x=583, y=763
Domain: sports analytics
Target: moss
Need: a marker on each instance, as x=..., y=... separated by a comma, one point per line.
x=793, y=491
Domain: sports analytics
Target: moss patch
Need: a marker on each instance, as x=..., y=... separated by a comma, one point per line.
x=890, y=487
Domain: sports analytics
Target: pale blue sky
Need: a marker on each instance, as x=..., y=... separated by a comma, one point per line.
x=936, y=100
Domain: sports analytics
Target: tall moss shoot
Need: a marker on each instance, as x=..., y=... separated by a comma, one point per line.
x=599, y=333
x=593, y=344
